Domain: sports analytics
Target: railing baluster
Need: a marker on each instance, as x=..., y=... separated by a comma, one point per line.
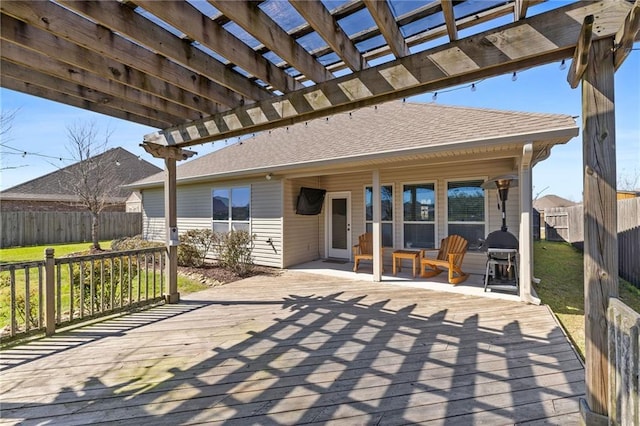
x=27, y=299
x=153, y=259
x=82, y=289
x=139, y=277
x=12, y=278
x=113, y=286
x=102, y=294
x=130, y=281
x=40, y=301
x=121, y=280
x=71, y=292
x=58, y=293
x=146, y=276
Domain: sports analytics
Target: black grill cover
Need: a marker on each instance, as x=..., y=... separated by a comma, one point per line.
x=501, y=240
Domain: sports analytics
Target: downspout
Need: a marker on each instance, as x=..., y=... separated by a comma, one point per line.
x=526, y=231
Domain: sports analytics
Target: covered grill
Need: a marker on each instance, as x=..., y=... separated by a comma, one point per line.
x=502, y=261
x=502, y=246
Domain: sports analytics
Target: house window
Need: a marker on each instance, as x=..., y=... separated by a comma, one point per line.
x=419, y=215
x=231, y=209
x=386, y=218
x=466, y=211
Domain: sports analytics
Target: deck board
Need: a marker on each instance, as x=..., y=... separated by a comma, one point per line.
x=301, y=348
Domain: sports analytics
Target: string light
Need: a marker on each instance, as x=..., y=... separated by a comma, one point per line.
x=350, y=116
x=24, y=153
x=563, y=65
x=473, y=87
x=434, y=97
x=514, y=77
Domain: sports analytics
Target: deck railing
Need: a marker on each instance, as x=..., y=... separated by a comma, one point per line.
x=54, y=292
x=624, y=364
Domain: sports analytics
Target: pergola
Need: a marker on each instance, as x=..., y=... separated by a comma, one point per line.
x=208, y=70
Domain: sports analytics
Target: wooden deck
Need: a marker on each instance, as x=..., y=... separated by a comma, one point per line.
x=302, y=348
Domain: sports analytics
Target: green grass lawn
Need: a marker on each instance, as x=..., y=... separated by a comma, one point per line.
x=560, y=268
x=19, y=254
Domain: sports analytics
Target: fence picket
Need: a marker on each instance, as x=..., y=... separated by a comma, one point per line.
x=567, y=224
x=27, y=228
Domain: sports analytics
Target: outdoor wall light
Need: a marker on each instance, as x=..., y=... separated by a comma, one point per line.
x=268, y=176
x=502, y=184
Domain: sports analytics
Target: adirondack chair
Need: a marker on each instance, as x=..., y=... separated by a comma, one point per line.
x=364, y=250
x=450, y=256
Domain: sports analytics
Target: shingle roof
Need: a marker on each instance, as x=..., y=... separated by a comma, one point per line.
x=550, y=201
x=51, y=186
x=389, y=128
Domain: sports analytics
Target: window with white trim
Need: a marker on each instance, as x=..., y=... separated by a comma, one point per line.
x=419, y=215
x=231, y=209
x=386, y=217
x=466, y=211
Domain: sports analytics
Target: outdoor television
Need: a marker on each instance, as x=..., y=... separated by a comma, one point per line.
x=310, y=201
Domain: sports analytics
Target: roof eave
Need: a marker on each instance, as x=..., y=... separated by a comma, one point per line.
x=555, y=136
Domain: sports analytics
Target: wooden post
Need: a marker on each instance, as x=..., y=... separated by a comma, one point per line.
x=49, y=292
x=171, y=222
x=526, y=231
x=600, y=217
x=377, y=227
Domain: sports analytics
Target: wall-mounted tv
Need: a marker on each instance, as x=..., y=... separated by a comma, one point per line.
x=310, y=201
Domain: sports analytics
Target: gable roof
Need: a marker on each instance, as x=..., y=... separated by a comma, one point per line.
x=393, y=129
x=550, y=201
x=51, y=187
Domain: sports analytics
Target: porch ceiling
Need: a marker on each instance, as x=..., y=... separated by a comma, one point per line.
x=204, y=71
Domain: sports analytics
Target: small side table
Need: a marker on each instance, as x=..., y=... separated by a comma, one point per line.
x=413, y=255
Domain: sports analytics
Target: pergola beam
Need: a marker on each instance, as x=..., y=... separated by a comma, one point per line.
x=524, y=44
x=190, y=21
x=581, y=54
x=34, y=78
x=385, y=21
x=38, y=63
x=114, y=57
x=122, y=19
x=626, y=35
x=314, y=12
x=52, y=95
x=520, y=9
x=449, y=19
x=257, y=23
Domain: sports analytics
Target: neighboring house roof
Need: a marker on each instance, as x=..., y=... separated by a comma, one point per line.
x=550, y=201
x=389, y=130
x=51, y=187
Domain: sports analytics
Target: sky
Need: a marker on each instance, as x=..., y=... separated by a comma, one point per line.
x=39, y=127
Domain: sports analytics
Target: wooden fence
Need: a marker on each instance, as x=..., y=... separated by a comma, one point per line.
x=26, y=228
x=567, y=224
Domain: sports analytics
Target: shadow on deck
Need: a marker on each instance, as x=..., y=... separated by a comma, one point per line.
x=302, y=348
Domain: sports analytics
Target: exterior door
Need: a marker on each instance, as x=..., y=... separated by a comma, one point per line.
x=338, y=221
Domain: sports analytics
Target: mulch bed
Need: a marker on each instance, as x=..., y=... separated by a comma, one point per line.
x=213, y=275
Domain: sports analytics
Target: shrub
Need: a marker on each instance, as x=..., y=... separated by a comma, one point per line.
x=22, y=316
x=102, y=290
x=234, y=252
x=194, y=246
x=133, y=243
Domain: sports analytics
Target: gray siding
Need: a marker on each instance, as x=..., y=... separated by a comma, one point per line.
x=266, y=223
x=194, y=212
x=300, y=233
x=153, y=214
